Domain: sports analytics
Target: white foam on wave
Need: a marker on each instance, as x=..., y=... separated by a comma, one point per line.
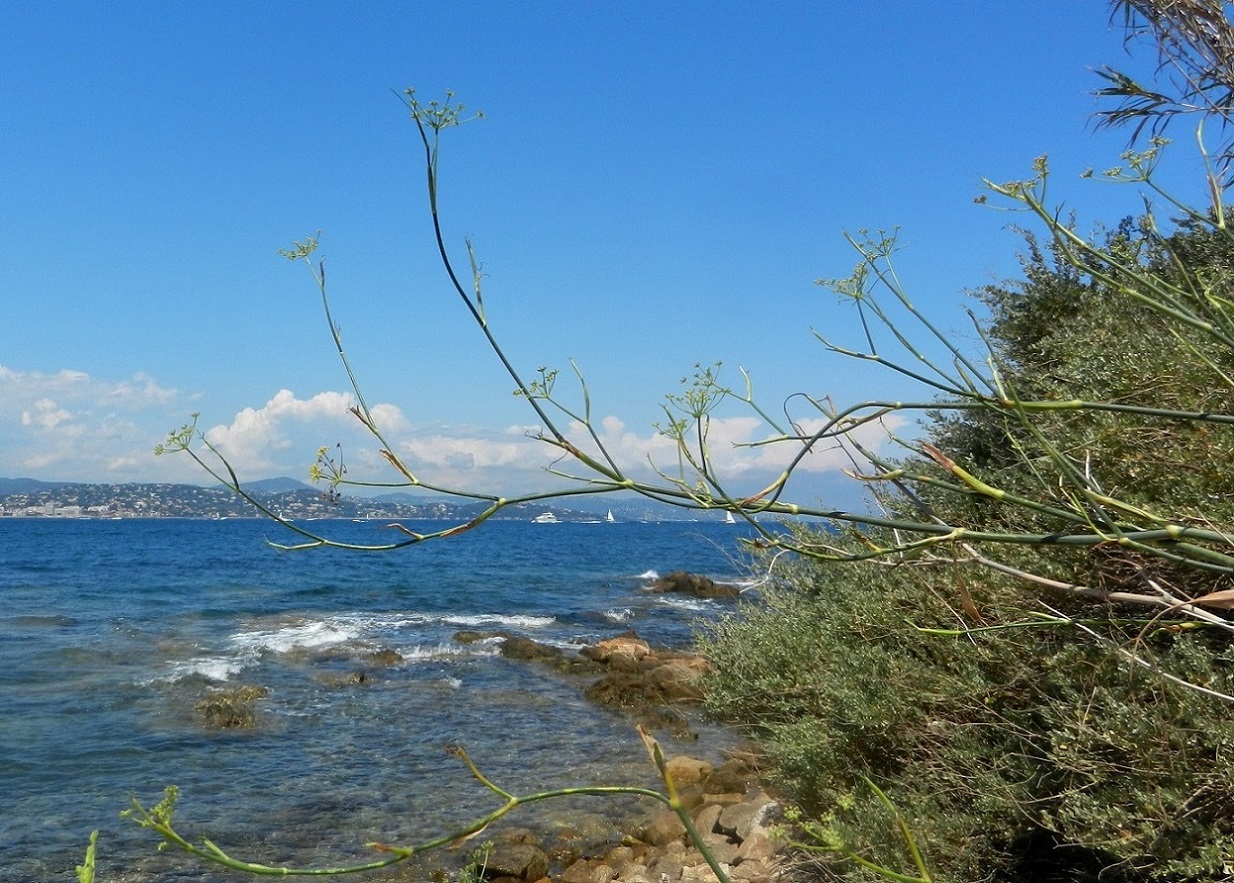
x=685, y=603
x=649, y=575
x=214, y=668
x=421, y=653
x=499, y=619
x=315, y=633
x=619, y=614
x=571, y=644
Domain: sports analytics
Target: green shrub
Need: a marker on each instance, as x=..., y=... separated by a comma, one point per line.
x=1020, y=730
x=986, y=741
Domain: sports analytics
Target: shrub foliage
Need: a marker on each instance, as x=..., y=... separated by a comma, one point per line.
x=1025, y=731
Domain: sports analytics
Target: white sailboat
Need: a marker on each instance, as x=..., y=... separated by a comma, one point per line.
x=729, y=519
x=609, y=517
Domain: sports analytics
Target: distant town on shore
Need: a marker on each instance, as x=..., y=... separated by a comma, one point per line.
x=287, y=497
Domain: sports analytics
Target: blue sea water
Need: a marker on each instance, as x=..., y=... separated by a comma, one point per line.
x=111, y=632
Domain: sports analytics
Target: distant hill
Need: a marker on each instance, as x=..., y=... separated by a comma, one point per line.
x=27, y=485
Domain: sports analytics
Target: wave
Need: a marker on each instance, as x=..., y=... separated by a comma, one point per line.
x=211, y=668
x=681, y=603
x=421, y=653
x=312, y=634
x=345, y=628
x=522, y=621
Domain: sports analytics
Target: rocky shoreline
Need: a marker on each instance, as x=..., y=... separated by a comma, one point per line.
x=731, y=813
x=660, y=689
x=728, y=807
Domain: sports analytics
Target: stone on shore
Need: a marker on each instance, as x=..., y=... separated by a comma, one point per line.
x=624, y=653
x=521, y=861
x=693, y=585
x=687, y=771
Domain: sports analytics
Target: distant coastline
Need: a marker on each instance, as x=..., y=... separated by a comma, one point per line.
x=30, y=498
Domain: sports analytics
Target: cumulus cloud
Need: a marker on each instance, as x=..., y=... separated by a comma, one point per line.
x=280, y=436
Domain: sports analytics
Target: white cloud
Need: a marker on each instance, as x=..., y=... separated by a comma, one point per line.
x=45, y=414
x=80, y=390
x=282, y=436
x=69, y=425
x=140, y=391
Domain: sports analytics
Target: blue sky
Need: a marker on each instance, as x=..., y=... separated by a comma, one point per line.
x=654, y=185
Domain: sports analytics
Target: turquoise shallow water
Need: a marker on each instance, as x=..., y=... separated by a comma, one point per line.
x=112, y=631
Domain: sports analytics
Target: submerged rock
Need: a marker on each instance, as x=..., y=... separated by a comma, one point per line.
x=233, y=707
x=383, y=658
x=475, y=636
x=515, y=647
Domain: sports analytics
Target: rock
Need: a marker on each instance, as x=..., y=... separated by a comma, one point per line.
x=722, y=849
x=471, y=636
x=518, y=835
x=635, y=873
x=232, y=708
x=588, y=871
x=665, y=828
x=723, y=799
x=726, y=780
x=669, y=866
x=624, y=647
x=699, y=874
x=677, y=682
x=758, y=847
x=515, y=647
x=706, y=819
x=694, y=585
x=619, y=857
x=751, y=870
x=523, y=861
x=687, y=771
x=691, y=798
x=384, y=658
x=625, y=690
x=668, y=683
x=747, y=817
x=578, y=828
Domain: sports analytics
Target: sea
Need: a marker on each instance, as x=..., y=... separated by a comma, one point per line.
x=113, y=632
